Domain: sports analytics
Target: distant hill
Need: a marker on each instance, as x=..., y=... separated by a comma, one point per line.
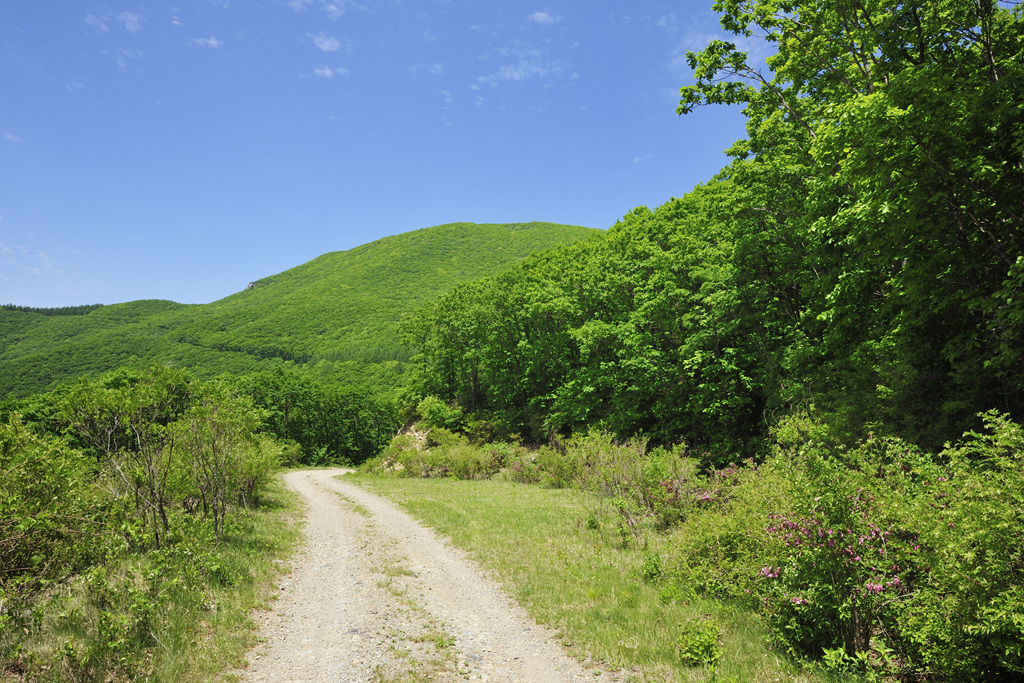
x=336, y=313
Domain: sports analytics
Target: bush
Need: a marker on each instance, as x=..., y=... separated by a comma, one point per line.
x=53, y=521
x=877, y=555
x=436, y=413
x=967, y=618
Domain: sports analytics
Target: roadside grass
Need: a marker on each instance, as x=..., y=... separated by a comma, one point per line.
x=560, y=553
x=181, y=616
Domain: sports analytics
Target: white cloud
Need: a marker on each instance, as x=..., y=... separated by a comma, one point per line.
x=757, y=49
x=543, y=18
x=328, y=72
x=175, y=21
x=334, y=9
x=124, y=56
x=207, y=42
x=132, y=22
x=668, y=22
x=11, y=137
x=25, y=258
x=97, y=23
x=329, y=43
x=432, y=69
x=531, y=64
x=516, y=72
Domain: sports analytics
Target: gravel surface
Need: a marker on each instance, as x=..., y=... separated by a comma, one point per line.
x=375, y=596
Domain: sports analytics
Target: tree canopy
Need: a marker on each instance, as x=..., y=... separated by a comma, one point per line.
x=862, y=255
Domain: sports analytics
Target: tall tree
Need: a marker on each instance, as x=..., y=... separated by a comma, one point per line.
x=908, y=121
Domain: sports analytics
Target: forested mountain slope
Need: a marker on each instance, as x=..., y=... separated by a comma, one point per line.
x=338, y=312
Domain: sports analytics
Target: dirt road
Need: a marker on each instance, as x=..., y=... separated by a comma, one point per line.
x=375, y=596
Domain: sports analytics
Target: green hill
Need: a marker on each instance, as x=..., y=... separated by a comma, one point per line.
x=338, y=312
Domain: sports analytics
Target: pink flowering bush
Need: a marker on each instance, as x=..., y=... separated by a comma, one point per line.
x=879, y=557
x=844, y=559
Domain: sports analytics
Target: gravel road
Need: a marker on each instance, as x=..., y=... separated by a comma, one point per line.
x=375, y=596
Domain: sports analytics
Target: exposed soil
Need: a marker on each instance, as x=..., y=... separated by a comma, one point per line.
x=375, y=596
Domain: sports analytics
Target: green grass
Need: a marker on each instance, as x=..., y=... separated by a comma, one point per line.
x=561, y=555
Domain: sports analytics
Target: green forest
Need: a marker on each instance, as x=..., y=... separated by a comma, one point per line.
x=804, y=377
x=336, y=315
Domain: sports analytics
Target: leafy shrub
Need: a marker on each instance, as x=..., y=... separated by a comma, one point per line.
x=967, y=617
x=650, y=568
x=558, y=469
x=699, y=642
x=436, y=413
x=719, y=547
x=522, y=467
x=52, y=520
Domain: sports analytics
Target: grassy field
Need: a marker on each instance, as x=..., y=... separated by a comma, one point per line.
x=563, y=558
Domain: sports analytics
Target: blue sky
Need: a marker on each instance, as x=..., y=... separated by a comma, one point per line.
x=181, y=150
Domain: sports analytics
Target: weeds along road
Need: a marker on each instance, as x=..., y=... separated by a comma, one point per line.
x=375, y=596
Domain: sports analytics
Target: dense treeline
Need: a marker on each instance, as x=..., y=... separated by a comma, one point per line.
x=861, y=257
x=329, y=422
x=63, y=310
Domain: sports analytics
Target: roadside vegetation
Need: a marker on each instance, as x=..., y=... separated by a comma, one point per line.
x=878, y=562
x=139, y=524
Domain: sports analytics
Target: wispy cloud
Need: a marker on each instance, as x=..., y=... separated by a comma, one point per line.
x=11, y=137
x=669, y=22
x=132, y=21
x=757, y=49
x=98, y=23
x=24, y=258
x=329, y=72
x=529, y=63
x=334, y=9
x=432, y=69
x=124, y=57
x=329, y=43
x=543, y=18
x=207, y=42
